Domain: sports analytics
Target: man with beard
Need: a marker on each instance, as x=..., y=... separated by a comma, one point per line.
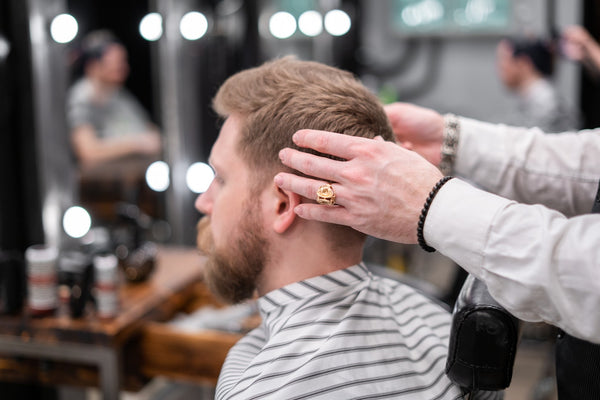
x=330, y=329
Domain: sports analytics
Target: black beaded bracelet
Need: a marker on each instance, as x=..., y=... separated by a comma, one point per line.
x=425, y=210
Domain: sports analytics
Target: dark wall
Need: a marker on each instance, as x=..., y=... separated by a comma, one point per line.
x=20, y=215
x=590, y=82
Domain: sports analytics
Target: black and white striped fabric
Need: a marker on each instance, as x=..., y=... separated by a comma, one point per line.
x=345, y=335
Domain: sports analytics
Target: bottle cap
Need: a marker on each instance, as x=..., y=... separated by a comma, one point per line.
x=106, y=267
x=41, y=253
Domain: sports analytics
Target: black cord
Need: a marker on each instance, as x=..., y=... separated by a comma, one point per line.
x=425, y=210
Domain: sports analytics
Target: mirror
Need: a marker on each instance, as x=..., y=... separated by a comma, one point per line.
x=112, y=122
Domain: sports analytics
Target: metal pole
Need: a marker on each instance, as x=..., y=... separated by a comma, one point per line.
x=179, y=82
x=49, y=85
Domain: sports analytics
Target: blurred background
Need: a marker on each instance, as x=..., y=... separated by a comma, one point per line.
x=436, y=53
x=440, y=54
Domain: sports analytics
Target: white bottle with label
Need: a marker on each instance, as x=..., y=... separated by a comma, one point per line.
x=42, y=287
x=107, y=285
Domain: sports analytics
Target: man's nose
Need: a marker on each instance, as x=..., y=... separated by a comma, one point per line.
x=203, y=204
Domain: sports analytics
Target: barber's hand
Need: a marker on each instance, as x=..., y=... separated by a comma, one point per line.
x=417, y=128
x=380, y=190
x=580, y=46
x=577, y=42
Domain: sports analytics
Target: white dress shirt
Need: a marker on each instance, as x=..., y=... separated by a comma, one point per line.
x=537, y=262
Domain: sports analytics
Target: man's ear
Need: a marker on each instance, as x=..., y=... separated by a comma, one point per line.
x=286, y=202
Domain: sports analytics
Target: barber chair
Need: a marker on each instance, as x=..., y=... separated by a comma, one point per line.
x=483, y=337
x=483, y=340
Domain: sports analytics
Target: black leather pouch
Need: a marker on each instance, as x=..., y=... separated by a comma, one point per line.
x=483, y=340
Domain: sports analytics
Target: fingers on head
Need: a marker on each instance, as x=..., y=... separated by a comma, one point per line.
x=303, y=186
x=331, y=143
x=333, y=215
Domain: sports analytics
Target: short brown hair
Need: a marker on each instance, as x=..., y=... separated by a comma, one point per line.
x=285, y=95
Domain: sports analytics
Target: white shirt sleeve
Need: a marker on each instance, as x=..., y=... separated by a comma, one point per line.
x=560, y=171
x=540, y=265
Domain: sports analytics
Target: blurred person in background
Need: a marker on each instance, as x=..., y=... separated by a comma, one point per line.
x=106, y=121
x=526, y=66
x=112, y=137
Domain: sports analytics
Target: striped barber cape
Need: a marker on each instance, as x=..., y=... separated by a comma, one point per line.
x=345, y=335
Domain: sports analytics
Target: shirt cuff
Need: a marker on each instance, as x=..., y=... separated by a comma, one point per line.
x=459, y=221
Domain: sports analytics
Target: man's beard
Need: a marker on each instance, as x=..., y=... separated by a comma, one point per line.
x=231, y=273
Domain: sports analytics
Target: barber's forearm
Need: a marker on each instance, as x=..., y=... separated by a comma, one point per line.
x=91, y=150
x=447, y=219
x=593, y=53
x=538, y=264
x=106, y=150
x=529, y=166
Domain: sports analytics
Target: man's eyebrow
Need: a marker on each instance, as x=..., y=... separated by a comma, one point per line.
x=213, y=165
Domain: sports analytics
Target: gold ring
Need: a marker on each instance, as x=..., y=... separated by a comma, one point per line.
x=326, y=195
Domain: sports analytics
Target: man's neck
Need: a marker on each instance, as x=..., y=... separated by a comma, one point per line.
x=297, y=258
x=528, y=82
x=102, y=89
